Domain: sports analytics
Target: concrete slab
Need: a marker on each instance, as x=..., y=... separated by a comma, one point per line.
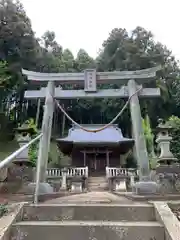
x=89, y=212
x=91, y=197
x=151, y=197
x=86, y=230
x=171, y=224
x=14, y=214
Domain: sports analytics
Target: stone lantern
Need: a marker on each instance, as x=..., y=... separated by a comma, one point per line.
x=163, y=140
x=23, y=136
x=168, y=171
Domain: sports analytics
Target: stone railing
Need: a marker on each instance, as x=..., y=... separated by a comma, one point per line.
x=115, y=172
x=120, y=179
x=70, y=172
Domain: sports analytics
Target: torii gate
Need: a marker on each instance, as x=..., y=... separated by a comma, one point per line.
x=90, y=78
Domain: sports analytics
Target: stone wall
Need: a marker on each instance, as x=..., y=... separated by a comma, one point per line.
x=20, y=173
x=3, y=174
x=168, y=178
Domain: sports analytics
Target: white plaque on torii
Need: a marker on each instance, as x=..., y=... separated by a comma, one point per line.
x=90, y=80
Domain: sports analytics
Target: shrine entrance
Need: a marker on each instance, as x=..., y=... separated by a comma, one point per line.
x=130, y=86
x=96, y=163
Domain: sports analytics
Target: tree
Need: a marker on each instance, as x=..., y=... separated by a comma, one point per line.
x=5, y=82
x=67, y=61
x=49, y=42
x=84, y=61
x=174, y=122
x=4, y=75
x=18, y=45
x=138, y=50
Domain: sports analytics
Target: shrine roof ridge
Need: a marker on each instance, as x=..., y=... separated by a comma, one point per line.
x=91, y=125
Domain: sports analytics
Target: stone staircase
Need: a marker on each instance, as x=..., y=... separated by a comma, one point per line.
x=87, y=221
x=97, y=184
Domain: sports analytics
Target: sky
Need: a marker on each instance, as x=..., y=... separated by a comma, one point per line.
x=86, y=24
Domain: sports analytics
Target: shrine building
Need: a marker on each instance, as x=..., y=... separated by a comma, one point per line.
x=96, y=150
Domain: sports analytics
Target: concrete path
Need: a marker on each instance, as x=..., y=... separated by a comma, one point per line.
x=91, y=197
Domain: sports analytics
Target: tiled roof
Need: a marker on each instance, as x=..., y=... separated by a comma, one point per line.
x=112, y=134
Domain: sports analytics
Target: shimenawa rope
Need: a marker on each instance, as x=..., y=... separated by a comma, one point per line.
x=105, y=126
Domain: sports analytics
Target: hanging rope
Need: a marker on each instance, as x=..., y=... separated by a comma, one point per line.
x=105, y=126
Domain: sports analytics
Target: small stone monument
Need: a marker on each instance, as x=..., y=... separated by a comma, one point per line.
x=168, y=169
x=21, y=169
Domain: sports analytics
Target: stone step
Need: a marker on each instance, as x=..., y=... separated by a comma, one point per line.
x=89, y=212
x=97, y=179
x=97, y=184
x=103, y=181
x=99, y=230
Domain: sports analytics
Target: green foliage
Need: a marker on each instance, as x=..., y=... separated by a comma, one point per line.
x=33, y=149
x=33, y=153
x=5, y=76
x=56, y=157
x=3, y=209
x=31, y=124
x=65, y=160
x=174, y=122
x=149, y=136
x=20, y=47
x=5, y=82
x=122, y=50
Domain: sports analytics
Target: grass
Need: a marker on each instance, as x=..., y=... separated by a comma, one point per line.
x=3, y=209
x=6, y=148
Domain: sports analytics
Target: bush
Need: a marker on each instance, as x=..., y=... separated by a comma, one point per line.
x=174, y=122
x=33, y=149
x=3, y=209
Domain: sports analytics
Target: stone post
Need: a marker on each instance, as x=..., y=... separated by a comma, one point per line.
x=41, y=186
x=145, y=186
x=140, y=144
x=46, y=130
x=64, y=179
x=38, y=111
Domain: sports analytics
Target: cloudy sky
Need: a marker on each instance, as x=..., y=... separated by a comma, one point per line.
x=85, y=24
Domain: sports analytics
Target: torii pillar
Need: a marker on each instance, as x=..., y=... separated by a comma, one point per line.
x=44, y=145
x=145, y=185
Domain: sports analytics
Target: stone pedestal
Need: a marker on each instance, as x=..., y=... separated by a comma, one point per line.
x=76, y=187
x=120, y=186
x=44, y=188
x=64, y=180
x=145, y=188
